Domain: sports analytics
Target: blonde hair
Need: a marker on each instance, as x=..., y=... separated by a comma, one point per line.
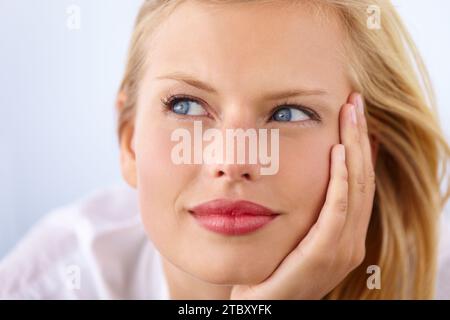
x=413, y=154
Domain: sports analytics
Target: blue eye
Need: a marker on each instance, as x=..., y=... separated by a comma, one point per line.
x=287, y=114
x=181, y=107
x=185, y=106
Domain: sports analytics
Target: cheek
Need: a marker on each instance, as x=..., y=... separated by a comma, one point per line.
x=160, y=181
x=153, y=157
x=303, y=176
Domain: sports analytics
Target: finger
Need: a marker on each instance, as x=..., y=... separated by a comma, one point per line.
x=330, y=224
x=351, y=138
x=364, y=220
x=357, y=100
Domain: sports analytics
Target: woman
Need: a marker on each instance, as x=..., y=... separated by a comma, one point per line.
x=356, y=192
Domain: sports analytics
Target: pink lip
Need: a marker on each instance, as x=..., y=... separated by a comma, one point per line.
x=232, y=217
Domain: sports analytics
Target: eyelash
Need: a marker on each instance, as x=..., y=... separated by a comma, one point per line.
x=170, y=100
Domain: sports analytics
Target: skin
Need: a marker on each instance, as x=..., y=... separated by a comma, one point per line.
x=247, y=51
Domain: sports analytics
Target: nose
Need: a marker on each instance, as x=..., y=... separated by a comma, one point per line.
x=235, y=172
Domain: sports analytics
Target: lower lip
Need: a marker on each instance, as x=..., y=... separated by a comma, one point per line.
x=233, y=224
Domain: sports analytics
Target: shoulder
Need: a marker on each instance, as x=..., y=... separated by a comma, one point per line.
x=64, y=254
x=443, y=276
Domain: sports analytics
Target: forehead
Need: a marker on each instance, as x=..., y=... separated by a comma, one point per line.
x=251, y=45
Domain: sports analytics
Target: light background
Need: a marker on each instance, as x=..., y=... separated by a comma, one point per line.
x=57, y=90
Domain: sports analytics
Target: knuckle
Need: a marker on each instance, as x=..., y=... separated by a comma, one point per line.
x=342, y=204
x=371, y=177
x=343, y=260
x=344, y=175
x=358, y=256
x=361, y=185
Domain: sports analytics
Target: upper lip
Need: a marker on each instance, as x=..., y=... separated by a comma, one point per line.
x=230, y=207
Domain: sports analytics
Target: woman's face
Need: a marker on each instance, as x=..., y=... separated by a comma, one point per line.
x=246, y=52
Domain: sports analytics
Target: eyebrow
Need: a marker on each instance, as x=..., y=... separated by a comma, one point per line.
x=192, y=81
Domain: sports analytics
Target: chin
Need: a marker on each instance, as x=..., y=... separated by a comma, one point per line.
x=234, y=272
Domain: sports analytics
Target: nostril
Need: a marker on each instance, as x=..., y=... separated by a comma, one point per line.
x=221, y=173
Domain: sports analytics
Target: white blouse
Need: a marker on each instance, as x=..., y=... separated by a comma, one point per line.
x=96, y=248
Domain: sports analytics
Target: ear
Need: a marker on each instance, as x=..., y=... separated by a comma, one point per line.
x=127, y=147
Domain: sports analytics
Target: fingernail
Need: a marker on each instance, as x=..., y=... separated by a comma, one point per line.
x=360, y=104
x=353, y=114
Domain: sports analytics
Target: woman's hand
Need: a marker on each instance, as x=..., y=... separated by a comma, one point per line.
x=335, y=245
